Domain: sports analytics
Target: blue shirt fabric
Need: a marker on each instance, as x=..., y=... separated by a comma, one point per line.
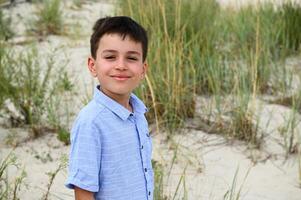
x=111, y=150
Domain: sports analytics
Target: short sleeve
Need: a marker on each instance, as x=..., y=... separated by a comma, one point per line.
x=85, y=156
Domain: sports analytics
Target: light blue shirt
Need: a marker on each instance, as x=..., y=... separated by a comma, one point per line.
x=111, y=150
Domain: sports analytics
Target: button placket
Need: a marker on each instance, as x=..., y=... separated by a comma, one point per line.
x=144, y=138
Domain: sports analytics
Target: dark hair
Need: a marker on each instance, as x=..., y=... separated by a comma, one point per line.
x=123, y=25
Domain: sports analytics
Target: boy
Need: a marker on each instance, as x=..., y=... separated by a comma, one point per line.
x=110, y=144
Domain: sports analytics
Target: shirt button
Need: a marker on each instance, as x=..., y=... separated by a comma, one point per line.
x=145, y=169
x=149, y=193
x=142, y=147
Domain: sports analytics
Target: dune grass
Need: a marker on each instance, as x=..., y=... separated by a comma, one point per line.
x=197, y=48
x=171, y=77
x=291, y=26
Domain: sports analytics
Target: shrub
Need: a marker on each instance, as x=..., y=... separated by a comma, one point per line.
x=29, y=84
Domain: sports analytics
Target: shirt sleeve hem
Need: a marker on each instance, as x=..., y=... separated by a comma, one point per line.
x=74, y=182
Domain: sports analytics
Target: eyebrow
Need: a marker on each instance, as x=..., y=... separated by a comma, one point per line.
x=114, y=51
x=133, y=52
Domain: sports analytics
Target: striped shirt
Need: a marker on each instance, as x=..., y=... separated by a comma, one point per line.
x=111, y=150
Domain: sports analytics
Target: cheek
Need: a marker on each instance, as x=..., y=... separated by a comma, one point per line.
x=102, y=67
x=139, y=70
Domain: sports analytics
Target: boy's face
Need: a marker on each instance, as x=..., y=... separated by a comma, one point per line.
x=118, y=65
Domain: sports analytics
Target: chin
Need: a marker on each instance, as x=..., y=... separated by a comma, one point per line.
x=122, y=92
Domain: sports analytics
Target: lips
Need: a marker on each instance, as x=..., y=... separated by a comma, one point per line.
x=120, y=77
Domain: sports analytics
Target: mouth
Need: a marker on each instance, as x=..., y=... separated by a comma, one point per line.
x=120, y=77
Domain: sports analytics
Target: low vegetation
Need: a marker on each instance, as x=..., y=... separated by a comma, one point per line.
x=28, y=87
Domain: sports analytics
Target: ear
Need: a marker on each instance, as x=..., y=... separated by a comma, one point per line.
x=91, y=66
x=145, y=67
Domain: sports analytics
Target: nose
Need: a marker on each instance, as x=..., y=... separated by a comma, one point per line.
x=121, y=64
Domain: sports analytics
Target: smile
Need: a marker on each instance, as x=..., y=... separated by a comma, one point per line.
x=120, y=77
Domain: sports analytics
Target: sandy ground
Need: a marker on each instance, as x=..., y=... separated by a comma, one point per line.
x=208, y=161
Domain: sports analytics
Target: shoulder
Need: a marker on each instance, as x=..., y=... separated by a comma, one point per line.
x=86, y=126
x=89, y=114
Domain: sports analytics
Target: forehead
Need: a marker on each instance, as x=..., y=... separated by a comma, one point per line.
x=119, y=43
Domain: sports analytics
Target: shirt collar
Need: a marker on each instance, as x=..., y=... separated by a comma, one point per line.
x=115, y=107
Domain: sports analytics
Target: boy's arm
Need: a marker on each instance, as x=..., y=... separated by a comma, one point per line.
x=81, y=194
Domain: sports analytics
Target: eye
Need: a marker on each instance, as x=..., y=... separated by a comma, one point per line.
x=109, y=57
x=132, y=58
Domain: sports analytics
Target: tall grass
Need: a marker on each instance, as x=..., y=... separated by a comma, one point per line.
x=291, y=20
x=198, y=48
x=170, y=88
